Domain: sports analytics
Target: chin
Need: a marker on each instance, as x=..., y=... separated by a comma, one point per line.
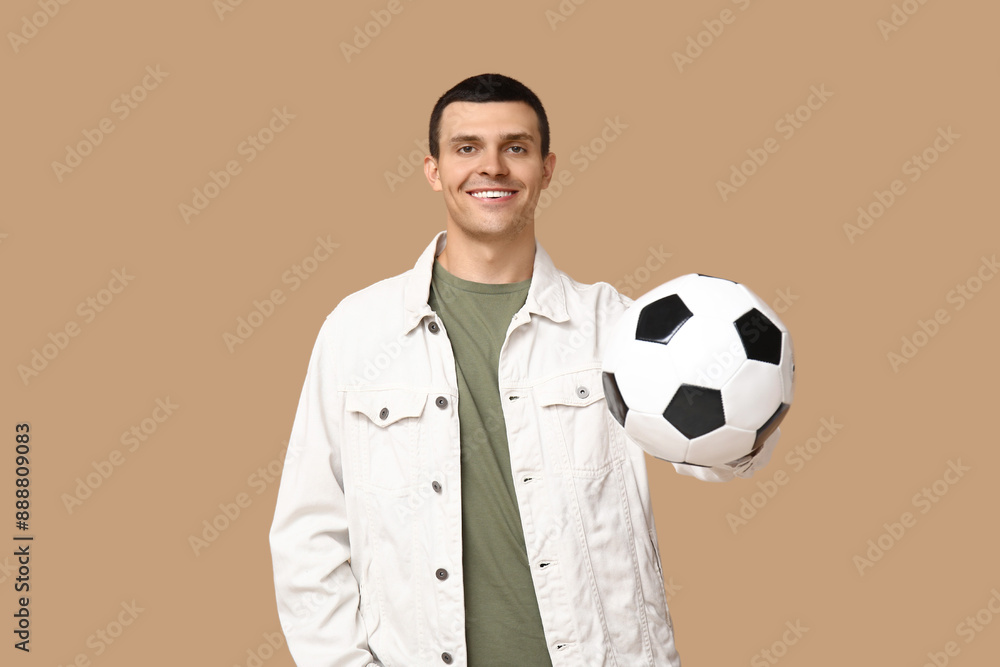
x=487, y=229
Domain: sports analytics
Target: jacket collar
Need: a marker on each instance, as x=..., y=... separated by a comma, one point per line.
x=546, y=293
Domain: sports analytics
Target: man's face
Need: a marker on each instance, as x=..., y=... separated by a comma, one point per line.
x=489, y=147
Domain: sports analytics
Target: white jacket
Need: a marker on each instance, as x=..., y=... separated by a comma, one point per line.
x=367, y=535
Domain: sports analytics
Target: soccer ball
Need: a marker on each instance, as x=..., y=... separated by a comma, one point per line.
x=699, y=370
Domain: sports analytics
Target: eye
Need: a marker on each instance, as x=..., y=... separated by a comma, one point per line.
x=520, y=149
x=462, y=149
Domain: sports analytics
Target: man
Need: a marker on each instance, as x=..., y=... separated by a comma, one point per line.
x=455, y=490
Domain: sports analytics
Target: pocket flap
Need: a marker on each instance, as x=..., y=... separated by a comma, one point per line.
x=580, y=387
x=386, y=406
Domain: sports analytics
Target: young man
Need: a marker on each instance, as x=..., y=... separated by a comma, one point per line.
x=455, y=490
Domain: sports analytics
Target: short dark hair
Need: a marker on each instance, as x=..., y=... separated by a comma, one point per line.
x=488, y=88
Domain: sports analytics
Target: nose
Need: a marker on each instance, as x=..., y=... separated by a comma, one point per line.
x=492, y=163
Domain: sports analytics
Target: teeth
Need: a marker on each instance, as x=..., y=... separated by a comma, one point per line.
x=490, y=194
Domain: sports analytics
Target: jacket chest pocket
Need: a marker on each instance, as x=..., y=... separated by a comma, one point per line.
x=575, y=417
x=389, y=451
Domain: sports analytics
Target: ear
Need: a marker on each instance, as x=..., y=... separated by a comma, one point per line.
x=431, y=172
x=548, y=168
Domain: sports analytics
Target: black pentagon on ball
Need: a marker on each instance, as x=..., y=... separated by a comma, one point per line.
x=660, y=320
x=695, y=410
x=616, y=404
x=765, y=431
x=760, y=336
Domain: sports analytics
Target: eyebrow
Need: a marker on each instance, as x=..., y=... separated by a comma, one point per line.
x=508, y=136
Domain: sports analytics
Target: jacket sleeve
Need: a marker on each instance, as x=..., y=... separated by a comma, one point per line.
x=744, y=467
x=317, y=593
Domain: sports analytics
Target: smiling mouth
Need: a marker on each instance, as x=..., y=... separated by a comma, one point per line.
x=498, y=195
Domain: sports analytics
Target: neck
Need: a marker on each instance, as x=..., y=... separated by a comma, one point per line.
x=489, y=261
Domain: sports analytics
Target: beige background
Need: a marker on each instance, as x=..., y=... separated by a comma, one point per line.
x=324, y=175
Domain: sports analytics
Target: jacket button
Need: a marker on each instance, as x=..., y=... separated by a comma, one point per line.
x=446, y=657
x=441, y=573
x=383, y=414
x=441, y=402
x=436, y=485
x=433, y=327
x=582, y=392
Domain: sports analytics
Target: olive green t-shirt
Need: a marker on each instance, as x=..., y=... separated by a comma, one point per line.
x=502, y=623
